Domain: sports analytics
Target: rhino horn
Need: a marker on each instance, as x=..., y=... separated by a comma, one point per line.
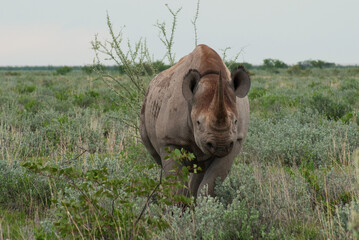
x=218, y=102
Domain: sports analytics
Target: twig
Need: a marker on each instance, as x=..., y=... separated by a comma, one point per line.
x=79, y=155
x=194, y=23
x=148, y=201
x=168, y=40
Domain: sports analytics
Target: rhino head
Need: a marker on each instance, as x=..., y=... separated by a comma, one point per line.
x=212, y=106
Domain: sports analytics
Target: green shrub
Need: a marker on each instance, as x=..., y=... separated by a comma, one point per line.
x=273, y=103
x=349, y=92
x=285, y=197
x=89, y=69
x=233, y=65
x=22, y=190
x=349, y=84
x=63, y=70
x=295, y=69
x=257, y=92
x=321, y=64
x=246, y=65
x=213, y=220
x=30, y=104
x=22, y=89
x=298, y=70
x=62, y=96
x=10, y=73
x=354, y=71
x=344, y=222
x=270, y=63
x=87, y=99
x=299, y=137
x=332, y=109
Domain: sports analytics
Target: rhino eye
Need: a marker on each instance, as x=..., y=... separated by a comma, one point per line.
x=198, y=123
x=235, y=121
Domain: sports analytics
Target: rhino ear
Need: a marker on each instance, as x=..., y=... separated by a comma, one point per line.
x=189, y=84
x=241, y=81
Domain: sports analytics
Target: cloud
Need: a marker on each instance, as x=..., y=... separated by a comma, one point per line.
x=45, y=45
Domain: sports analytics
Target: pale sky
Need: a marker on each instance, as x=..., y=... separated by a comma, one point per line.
x=53, y=32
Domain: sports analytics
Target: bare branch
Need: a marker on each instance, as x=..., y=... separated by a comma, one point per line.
x=194, y=23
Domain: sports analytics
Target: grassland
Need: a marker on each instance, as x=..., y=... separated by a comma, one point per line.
x=297, y=177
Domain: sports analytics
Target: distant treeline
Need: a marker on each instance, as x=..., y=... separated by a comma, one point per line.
x=270, y=63
x=158, y=66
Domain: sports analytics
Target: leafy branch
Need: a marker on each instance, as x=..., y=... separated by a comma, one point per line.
x=101, y=203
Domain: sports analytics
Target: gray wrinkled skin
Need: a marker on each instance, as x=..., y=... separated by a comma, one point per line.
x=200, y=106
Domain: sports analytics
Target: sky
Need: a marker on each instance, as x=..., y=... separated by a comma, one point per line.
x=43, y=32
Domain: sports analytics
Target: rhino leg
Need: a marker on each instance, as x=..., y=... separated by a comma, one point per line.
x=195, y=182
x=219, y=168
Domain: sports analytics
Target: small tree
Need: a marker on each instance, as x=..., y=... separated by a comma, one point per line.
x=270, y=63
x=321, y=64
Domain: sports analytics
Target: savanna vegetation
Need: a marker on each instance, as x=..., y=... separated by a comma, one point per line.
x=72, y=165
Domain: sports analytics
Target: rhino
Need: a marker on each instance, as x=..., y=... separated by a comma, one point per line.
x=197, y=105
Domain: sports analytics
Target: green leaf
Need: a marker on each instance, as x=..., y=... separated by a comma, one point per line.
x=177, y=152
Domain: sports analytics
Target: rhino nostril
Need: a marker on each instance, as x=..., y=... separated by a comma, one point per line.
x=231, y=145
x=210, y=145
